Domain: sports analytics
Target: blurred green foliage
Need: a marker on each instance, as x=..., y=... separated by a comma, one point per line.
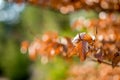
x=14, y=64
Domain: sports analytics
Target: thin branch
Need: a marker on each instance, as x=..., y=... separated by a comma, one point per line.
x=103, y=61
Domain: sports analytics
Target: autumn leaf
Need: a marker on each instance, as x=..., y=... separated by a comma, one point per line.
x=99, y=55
x=116, y=59
x=82, y=50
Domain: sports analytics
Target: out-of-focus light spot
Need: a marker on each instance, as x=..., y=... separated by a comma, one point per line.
x=44, y=60
x=52, y=52
x=96, y=1
x=112, y=37
x=87, y=23
x=32, y=50
x=63, y=10
x=70, y=8
x=102, y=15
x=67, y=9
x=104, y=5
x=45, y=37
x=89, y=2
x=63, y=41
x=100, y=37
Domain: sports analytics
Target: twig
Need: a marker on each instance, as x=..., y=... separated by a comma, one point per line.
x=103, y=61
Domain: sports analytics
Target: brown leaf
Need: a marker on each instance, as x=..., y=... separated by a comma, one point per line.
x=87, y=38
x=116, y=59
x=72, y=52
x=84, y=50
x=99, y=55
x=82, y=37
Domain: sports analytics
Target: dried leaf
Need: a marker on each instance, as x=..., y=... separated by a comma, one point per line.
x=116, y=59
x=83, y=50
x=99, y=55
x=87, y=38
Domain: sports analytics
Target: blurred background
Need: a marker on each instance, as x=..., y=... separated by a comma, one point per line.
x=20, y=22
x=24, y=22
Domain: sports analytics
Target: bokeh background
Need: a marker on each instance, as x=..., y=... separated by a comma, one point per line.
x=19, y=22
x=24, y=22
